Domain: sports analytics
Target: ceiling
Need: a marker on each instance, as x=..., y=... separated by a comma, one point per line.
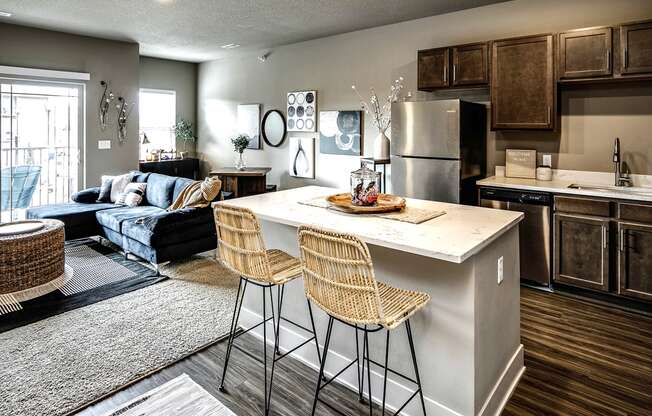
x=196, y=30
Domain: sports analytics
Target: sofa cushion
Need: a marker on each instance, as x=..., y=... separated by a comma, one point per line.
x=113, y=218
x=160, y=189
x=180, y=225
x=72, y=214
x=139, y=176
x=86, y=196
x=179, y=186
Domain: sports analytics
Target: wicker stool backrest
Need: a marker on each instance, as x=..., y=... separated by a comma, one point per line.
x=240, y=244
x=338, y=275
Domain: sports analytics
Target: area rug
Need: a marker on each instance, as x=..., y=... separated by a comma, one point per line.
x=62, y=363
x=178, y=397
x=99, y=272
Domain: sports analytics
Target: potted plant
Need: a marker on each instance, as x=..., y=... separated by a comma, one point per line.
x=240, y=143
x=183, y=131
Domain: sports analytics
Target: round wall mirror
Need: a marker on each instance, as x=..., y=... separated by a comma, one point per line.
x=274, y=128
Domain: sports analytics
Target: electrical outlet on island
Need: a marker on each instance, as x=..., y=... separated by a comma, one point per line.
x=500, y=269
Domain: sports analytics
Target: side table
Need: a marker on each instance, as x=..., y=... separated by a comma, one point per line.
x=32, y=263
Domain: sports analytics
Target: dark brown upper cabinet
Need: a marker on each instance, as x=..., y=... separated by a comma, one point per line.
x=432, y=66
x=523, y=94
x=636, y=48
x=470, y=65
x=585, y=53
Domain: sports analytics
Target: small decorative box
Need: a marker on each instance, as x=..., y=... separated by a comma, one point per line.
x=520, y=163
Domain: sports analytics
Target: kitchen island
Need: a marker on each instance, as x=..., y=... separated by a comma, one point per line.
x=467, y=338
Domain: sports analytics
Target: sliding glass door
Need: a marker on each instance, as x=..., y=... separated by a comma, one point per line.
x=41, y=140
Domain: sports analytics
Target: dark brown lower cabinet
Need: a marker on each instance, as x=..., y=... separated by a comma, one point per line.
x=582, y=251
x=635, y=260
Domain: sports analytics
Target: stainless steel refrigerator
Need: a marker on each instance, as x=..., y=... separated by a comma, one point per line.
x=438, y=150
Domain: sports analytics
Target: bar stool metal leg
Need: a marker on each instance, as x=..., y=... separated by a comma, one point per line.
x=386, y=367
x=234, y=324
x=408, y=328
x=371, y=402
x=323, y=363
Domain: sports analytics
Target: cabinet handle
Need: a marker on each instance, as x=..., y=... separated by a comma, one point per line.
x=445, y=74
x=454, y=72
x=604, y=237
x=622, y=239
x=625, y=58
x=608, y=60
x=549, y=115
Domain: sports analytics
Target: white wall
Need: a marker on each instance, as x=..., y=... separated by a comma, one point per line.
x=375, y=57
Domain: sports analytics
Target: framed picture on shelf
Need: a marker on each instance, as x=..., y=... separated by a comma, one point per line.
x=302, y=157
x=340, y=132
x=249, y=123
x=302, y=111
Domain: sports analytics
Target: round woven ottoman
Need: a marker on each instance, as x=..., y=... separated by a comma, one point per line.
x=32, y=262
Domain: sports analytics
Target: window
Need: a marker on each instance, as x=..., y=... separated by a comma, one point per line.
x=41, y=142
x=158, y=114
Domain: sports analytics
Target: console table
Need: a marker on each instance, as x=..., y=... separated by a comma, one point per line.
x=251, y=181
x=185, y=168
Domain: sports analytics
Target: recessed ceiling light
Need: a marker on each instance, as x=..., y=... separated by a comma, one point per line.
x=230, y=46
x=5, y=14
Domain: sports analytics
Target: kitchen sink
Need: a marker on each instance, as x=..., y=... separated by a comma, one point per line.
x=644, y=191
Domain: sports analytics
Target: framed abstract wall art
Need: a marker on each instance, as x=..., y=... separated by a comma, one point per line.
x=340, y=132
x=302, y=111
x=249, y=123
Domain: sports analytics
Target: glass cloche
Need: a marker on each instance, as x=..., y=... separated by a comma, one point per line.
x=365, y=186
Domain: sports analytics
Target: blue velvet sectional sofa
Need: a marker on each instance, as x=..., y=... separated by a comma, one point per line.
x=164, y=236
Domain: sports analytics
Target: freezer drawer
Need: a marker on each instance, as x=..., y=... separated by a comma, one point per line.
x=431, y=179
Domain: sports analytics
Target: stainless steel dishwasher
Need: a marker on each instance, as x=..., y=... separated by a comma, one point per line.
x=534, y=231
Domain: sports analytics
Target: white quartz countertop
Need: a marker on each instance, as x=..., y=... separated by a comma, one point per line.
x=455, y=236
x=560, y=185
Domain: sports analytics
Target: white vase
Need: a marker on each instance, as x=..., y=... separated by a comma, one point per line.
x=381, y=146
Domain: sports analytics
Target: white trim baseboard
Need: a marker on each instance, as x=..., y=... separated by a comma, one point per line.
x=44, y=73
x=505, y=385
x=336, y=361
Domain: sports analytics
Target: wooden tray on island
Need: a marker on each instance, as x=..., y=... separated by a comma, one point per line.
x=386, y=203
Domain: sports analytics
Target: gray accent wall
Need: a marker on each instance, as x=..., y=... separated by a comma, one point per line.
x=164, y=74
x=375, y=57
x=116, y=62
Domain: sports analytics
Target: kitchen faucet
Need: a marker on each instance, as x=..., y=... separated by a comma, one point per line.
x=619, y=178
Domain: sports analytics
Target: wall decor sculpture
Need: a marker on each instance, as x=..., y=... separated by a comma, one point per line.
x=124, y=111
x=105, y=104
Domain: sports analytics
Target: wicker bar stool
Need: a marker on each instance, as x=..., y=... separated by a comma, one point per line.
x=339, y=277
x=241, y=248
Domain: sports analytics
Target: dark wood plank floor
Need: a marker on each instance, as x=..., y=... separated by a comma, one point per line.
x=581, y=359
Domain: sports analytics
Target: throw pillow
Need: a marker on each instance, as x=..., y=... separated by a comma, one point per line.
x=133, y=194
x=105, y=189
x=119, y=184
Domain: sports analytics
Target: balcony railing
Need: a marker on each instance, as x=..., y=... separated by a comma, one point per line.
x=58, y=179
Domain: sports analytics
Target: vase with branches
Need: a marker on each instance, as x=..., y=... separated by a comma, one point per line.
x=183, y=131
x=240, y=144
x=380, y=110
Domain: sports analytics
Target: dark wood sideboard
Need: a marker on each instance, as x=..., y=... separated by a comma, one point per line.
x=185, y=168
x=251, y=181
